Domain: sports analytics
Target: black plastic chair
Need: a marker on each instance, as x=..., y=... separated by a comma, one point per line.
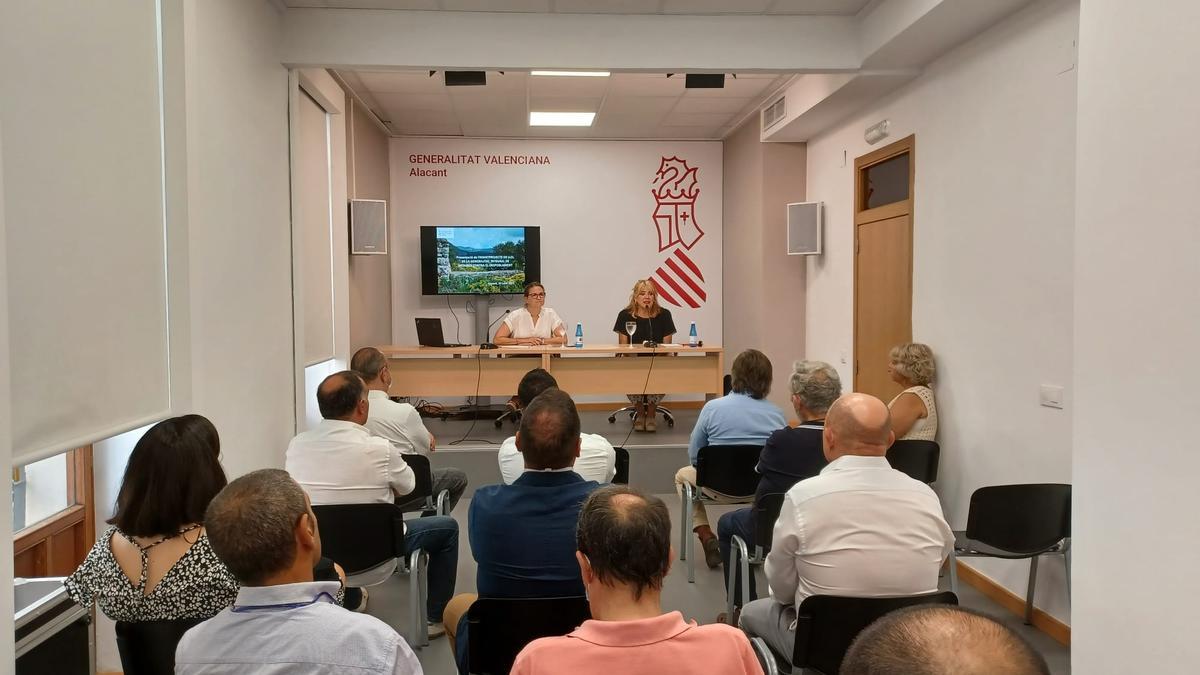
x=918, y=459
x=1014, y=522
x=501, y=627
x=367, y=540
x=766, y=512
x=621, y=477
x=424, y=475
x=148, y=647
x=727, y=469
x=827, y=624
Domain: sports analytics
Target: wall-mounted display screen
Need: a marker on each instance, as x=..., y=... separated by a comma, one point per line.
x=471, y=259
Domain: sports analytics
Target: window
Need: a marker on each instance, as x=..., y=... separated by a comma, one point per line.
x=887, y=182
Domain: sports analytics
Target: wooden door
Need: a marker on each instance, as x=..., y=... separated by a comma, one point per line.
x=883, y=242
x=884, y=309
x=57, y=545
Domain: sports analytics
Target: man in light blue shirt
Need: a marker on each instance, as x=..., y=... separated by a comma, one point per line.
x=263, y=528
x=743, y=417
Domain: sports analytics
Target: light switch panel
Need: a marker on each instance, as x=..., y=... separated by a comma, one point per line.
x=1051, y=396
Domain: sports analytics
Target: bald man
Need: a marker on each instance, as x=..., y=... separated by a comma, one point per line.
x=859, y=528
x=941, y=640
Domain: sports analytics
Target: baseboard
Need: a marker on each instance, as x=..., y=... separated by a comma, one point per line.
x=609, y=407
x=1014, y=603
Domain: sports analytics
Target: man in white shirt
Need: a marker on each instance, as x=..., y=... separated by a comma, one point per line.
x=597, y=459
x=262, y=528
x=401, y=425
x=340, y=462
x=859, y=528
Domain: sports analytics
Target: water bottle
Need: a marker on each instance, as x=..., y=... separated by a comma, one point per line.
x=579, y=336
x=692, y=335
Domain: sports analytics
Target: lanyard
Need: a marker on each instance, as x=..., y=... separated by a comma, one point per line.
x=284, y=606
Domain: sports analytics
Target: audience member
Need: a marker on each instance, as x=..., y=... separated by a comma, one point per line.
x=790, y=456
x=624, y=551
x=263, y=529
x=597, y=460
x=340, y=462
x=941, y=640
x=401, y=425
x=859, y=529
x=157, y=540
x=914, y=412
x=743, y=417
x=523, y=535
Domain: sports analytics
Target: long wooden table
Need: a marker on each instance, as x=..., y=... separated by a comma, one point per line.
x=594, y=369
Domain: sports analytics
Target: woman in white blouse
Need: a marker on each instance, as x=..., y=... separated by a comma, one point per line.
x=533, y=324
x=914, y=413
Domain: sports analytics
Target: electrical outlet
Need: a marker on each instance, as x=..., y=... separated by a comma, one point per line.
x=1051, y=396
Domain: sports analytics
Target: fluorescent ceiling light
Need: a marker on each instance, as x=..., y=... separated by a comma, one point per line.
x=570, y=73
x=561, y=119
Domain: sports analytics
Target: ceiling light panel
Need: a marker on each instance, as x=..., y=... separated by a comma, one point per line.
x=561, y=119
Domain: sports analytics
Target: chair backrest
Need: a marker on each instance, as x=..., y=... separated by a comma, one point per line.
x=423, y=473
x=1027, y=518
x=728, y=469
x=918, y=459
x=622, y=475
x=766, y=512
x=361, y=536
x=501, y=627
x=827, y=624
x=148, y=647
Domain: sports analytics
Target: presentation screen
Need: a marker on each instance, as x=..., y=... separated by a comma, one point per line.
x=469, y=259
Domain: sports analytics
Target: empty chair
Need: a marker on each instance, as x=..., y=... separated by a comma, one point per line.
x=766, y=512
x=148, y=647
x=367, y=540
x=918, y=459
x=501, y=627
x=1017, y=521
x=827, y=624
x=622, y=466
x=424, y=475
x=727, y=469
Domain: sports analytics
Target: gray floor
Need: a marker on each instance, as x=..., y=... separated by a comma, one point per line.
x=654, y=458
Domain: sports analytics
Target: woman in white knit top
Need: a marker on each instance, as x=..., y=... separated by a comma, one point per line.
x=914, y=413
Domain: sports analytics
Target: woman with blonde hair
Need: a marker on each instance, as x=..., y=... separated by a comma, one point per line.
x=914, y=412
x=653, y=322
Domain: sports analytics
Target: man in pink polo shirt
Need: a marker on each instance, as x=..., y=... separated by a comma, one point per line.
x=624, y=542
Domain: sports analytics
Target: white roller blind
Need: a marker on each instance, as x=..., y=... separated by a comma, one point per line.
x=83, y=203
x=313, y=186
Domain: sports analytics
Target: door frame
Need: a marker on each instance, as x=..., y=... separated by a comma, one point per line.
x=863, y=215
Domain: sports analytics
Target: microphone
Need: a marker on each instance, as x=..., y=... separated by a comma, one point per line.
x=650, y=343
x=489, y=344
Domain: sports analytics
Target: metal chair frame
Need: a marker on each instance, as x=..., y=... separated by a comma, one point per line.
x=766, y=512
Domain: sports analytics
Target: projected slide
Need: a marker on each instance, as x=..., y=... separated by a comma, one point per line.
x=480, y=259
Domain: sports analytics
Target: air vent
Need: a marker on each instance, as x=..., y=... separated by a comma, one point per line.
x=773, y=113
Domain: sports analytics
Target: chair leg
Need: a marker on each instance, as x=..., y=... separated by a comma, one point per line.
x=683, y=522
x=443, y=503
x=766, y=657
x=688, y=535
x=745, y=573
x=1033, y=567
x=953, y=573
x=734, y=552
x=418, y=592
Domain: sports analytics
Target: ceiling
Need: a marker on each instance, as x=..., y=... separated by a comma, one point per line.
x=773, y=7
x=627, y=105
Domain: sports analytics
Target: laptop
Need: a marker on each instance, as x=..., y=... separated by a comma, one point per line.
x=429, y=334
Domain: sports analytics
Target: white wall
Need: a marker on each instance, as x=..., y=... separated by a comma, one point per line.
x=240, y=232
x=992, y=288
x=1136, y=332
x=594, y=206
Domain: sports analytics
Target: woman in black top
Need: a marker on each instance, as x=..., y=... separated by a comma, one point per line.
x=653, y=323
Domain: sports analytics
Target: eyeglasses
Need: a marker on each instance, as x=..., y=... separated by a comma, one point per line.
x=536, y=295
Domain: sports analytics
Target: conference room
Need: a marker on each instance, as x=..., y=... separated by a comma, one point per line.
x=209, y=207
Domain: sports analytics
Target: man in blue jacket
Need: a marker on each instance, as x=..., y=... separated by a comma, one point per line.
x=523, y=535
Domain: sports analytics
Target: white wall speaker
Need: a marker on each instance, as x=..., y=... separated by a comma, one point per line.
x=368, y=227
x=804, y=228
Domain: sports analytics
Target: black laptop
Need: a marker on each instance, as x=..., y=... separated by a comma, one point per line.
x=429, y=334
